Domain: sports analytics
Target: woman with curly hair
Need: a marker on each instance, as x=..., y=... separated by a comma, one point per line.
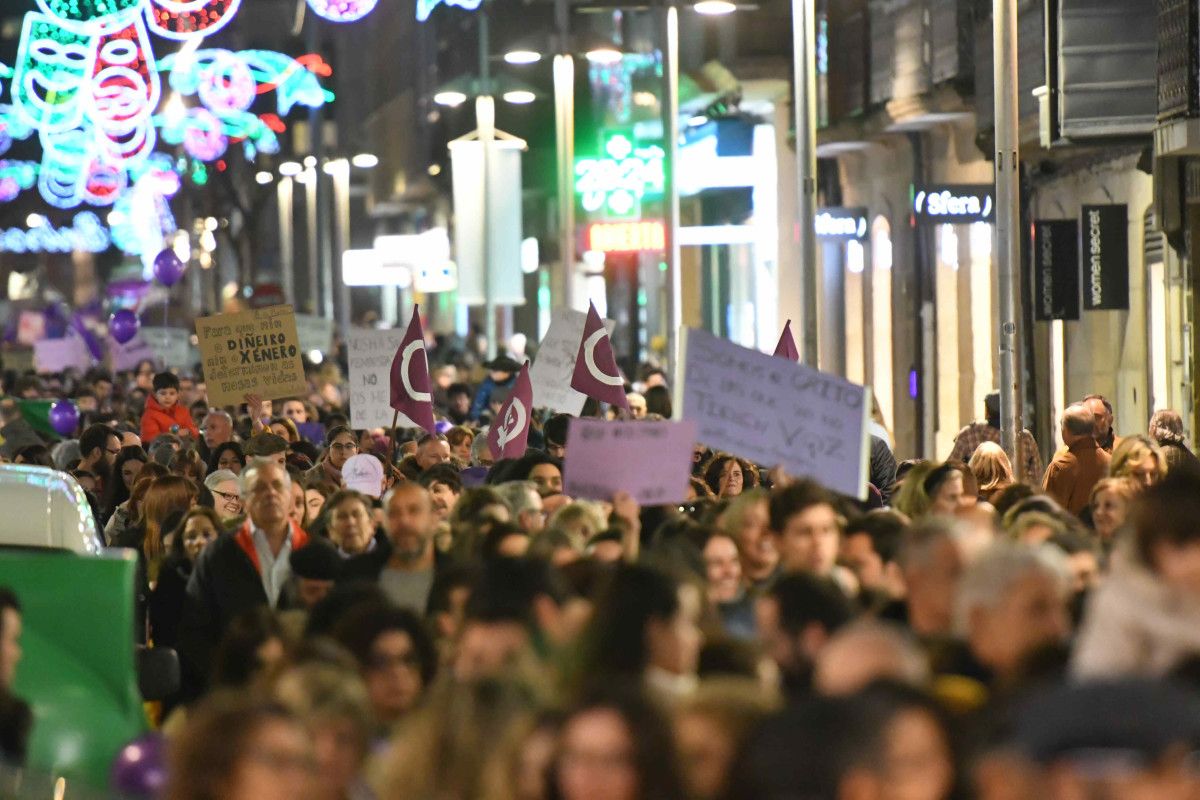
x=1166, y=428
x=728, y=476
x=1140, y=458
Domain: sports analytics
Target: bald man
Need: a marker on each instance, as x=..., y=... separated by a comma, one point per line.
x=404, y=561
x=1074, y=471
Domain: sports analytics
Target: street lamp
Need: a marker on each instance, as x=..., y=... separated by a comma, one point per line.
x=365, y=161
x=714, y=8
x=520, y=57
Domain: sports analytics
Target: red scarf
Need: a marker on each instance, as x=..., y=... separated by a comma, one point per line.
x=245, y=540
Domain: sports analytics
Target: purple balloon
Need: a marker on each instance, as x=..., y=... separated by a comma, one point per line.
x=140, y=768
x=168, y=268
x=64, y=417
x=442, y=426
x=123, y=325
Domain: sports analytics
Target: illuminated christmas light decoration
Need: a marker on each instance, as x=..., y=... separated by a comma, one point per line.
x=85, y=234
x=48, y=81
x=227, y=85
x=342, y=10
x=189, y=19
x=86, y=80
x=617, y=184
x=203, y=138
x=625, y=237
x=426, y=7
x=89, y=16
x=64, y=157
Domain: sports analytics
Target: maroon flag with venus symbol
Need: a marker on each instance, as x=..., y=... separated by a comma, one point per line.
x=787, y=344
x=411, y=394
x=508, y=434
x=596, y=374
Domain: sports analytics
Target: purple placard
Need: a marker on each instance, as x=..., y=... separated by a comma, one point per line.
x=56, y=355
x=650, y=460
x=127, y=356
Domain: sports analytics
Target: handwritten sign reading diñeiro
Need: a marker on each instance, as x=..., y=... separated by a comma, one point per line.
x=775, y=412
x=650, y=460
x=251, y=352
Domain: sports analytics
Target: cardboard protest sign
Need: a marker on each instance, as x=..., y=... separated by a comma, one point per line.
x=554, y=366
x=315, y=333
x=55, y=355
x=650, y=460
x=371, y=353
x=251, y=352
x=775, y=412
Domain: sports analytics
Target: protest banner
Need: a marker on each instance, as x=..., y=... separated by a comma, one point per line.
x=370, y=355
x=55, y=355
x=774, y=412
x=315, y=333
x=251, y=352
x=126, y=357
x=654, y=458
x=551, y=372
x=172, y=346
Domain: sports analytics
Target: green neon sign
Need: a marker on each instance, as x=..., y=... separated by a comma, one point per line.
x=616, y=183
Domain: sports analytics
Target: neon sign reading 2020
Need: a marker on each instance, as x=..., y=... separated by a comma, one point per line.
x=616, y=184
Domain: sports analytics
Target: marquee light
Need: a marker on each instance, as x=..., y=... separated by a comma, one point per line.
x=85, y=234
x=625, y=237
x=617, y=183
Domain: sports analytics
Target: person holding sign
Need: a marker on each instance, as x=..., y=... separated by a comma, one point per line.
x=164, y=414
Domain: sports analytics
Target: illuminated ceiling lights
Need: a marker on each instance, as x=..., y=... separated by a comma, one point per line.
x=451, y=98
x=714, y=8
x=290, y=169
x=365, y=160
x=604, y=55
x=522, y=57
x=263, y=178
x=519, y=97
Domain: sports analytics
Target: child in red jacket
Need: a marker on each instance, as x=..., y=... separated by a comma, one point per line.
x=163, y=413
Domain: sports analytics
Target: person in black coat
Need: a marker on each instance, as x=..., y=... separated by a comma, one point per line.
x=240, y=572
x=198, y=528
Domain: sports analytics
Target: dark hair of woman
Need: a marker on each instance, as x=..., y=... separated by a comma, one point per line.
x=116, y=492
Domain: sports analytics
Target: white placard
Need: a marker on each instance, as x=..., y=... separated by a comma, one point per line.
x=314, y=333
x=775, y=412
x=551, y=372
x=370, y=355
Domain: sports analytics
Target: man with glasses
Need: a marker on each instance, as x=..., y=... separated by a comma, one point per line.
x=98, y=448
x=238, y=573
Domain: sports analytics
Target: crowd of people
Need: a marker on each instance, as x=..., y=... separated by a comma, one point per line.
x=364, y=615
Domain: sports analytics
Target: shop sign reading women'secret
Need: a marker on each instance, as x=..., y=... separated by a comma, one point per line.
x=953, y=203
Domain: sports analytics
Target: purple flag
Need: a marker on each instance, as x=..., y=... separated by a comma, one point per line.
x=508, y=434
x=410, y=376
x=787, y=344
x=596, y=373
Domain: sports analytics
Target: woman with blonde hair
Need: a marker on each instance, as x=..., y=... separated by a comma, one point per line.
x=1109, y=502
x=1138, y=457
x=992, y=469
x=930, y=489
